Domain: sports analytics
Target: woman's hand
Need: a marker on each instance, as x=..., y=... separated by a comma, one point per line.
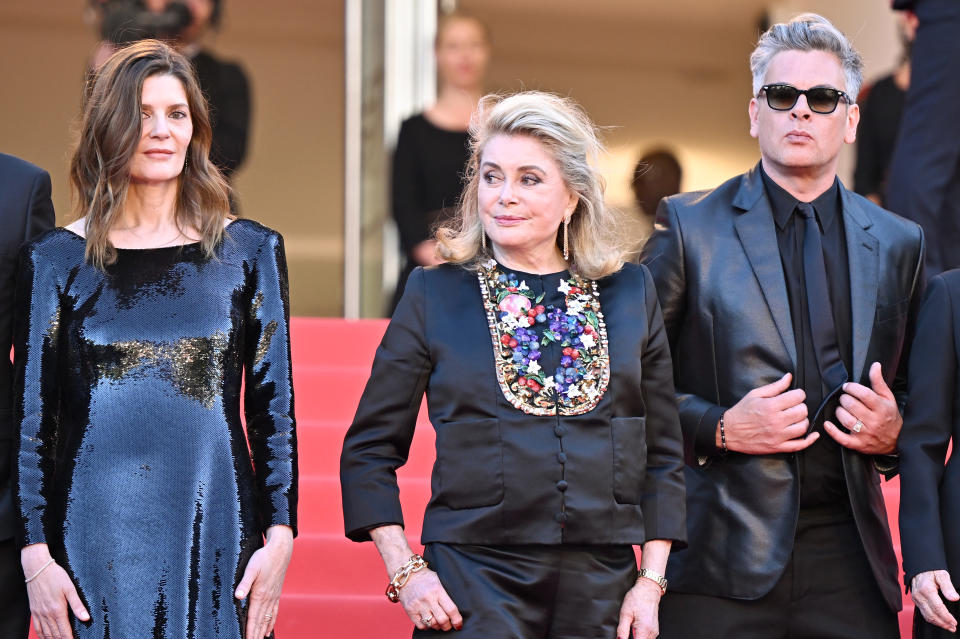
x=263, y=579
x=640, y=611
x=427, y=603
x=423, y=597
x=51, y=593
x=925, y=590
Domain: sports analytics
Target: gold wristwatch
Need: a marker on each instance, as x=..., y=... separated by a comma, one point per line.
x=660, y=580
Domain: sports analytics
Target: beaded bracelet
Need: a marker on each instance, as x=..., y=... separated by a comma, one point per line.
x=723, y=436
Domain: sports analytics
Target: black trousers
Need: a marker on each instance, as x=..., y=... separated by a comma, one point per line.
x=827, y=591
x=924, y=630
x=14, y=607
x=924, y=175
x=534, y=592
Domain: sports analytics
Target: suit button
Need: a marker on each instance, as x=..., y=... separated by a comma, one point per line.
x=560, y=430
x=561, y=517
x=562, y=457
x=561, y=485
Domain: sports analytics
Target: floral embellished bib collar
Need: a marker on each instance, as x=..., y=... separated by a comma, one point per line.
x=513, y=311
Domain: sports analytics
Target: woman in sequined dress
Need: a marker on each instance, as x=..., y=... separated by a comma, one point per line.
x=144, y=502
x=549, y=384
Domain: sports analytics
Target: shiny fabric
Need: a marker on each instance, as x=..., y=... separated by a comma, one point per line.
x=534, y=592
x=133, y=461
x=612, y=475
x=729, y=339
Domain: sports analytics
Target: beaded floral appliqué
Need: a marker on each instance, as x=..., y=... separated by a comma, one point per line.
x=513, y=310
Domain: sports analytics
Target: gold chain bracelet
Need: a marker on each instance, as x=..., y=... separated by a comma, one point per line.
x=400, y=578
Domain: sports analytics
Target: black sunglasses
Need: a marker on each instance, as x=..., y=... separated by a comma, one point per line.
x=783, y=97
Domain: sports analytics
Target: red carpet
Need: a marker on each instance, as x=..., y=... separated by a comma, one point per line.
x=334, y=588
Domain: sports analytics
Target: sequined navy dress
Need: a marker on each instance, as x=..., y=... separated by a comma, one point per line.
x=134, y=465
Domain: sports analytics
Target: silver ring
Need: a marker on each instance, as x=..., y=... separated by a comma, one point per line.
x=268, y=616
x=426, y=620
x=858, y=426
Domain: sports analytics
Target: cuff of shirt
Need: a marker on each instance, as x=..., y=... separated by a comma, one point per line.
x=705, y=442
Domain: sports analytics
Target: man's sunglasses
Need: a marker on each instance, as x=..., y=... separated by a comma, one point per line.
x=783, y=97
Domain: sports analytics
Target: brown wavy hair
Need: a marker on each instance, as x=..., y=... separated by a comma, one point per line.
x=109, y=134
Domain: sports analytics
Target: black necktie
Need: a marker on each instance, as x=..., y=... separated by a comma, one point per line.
x=833, y=372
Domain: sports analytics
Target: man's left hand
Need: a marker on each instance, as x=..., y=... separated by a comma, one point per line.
x=876, y=413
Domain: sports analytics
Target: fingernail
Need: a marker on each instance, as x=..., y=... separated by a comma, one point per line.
x=240, y=594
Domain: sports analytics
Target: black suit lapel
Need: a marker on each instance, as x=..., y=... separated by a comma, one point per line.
x=863, y=254
x=757, y=233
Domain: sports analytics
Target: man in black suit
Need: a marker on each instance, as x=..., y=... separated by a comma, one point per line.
x=25, y=211
x=924, y=176
x=789, y=302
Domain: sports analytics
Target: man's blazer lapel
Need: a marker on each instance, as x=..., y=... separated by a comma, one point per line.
x=863, y=255
x=755, y=228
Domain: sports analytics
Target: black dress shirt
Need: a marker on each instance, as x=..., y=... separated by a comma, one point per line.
x=822, y=486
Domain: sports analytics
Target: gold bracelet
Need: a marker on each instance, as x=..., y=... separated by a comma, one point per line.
x=655, y=577
x=414, y=564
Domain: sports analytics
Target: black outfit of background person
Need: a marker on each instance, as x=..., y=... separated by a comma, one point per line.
x=531, y=517
x=25, y=211
x=880, y=112
x=428, y=167
x=924, y=178
x=929, y=490
x=228, y=95
x=760, y=541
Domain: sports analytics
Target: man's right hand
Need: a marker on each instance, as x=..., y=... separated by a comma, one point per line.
x=769, y=419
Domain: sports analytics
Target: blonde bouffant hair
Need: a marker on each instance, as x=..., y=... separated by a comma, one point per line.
x=597, y=245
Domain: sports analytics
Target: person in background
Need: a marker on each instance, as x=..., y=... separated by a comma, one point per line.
x=658, y=174
x=433, y=146
x=924, y=177
x=790, y=304
x=26, y=211
x=548, y=381
x=881, y=107
x=147, y=507
x=186, y=24
x=929, y=479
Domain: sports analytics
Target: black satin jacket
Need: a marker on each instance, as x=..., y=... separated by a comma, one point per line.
x=720, y=280
x=497, y=477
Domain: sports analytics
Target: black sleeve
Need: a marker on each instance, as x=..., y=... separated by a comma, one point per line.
x=231, y=127
x=409, y=210
x=664, y=256
x=927, y=431
x=663, y=502
x=41, y=216
x=868, y=175
x=378, y=441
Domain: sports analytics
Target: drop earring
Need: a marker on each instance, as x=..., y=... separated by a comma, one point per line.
x=483, y=241
x=566, y=245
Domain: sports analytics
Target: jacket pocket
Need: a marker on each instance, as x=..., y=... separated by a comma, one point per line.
x=470, y=463
x=629, y=458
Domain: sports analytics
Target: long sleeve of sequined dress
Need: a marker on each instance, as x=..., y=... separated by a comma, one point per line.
x=133, y=462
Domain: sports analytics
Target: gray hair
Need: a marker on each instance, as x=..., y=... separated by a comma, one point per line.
x=807, y=32
x=597, y=244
